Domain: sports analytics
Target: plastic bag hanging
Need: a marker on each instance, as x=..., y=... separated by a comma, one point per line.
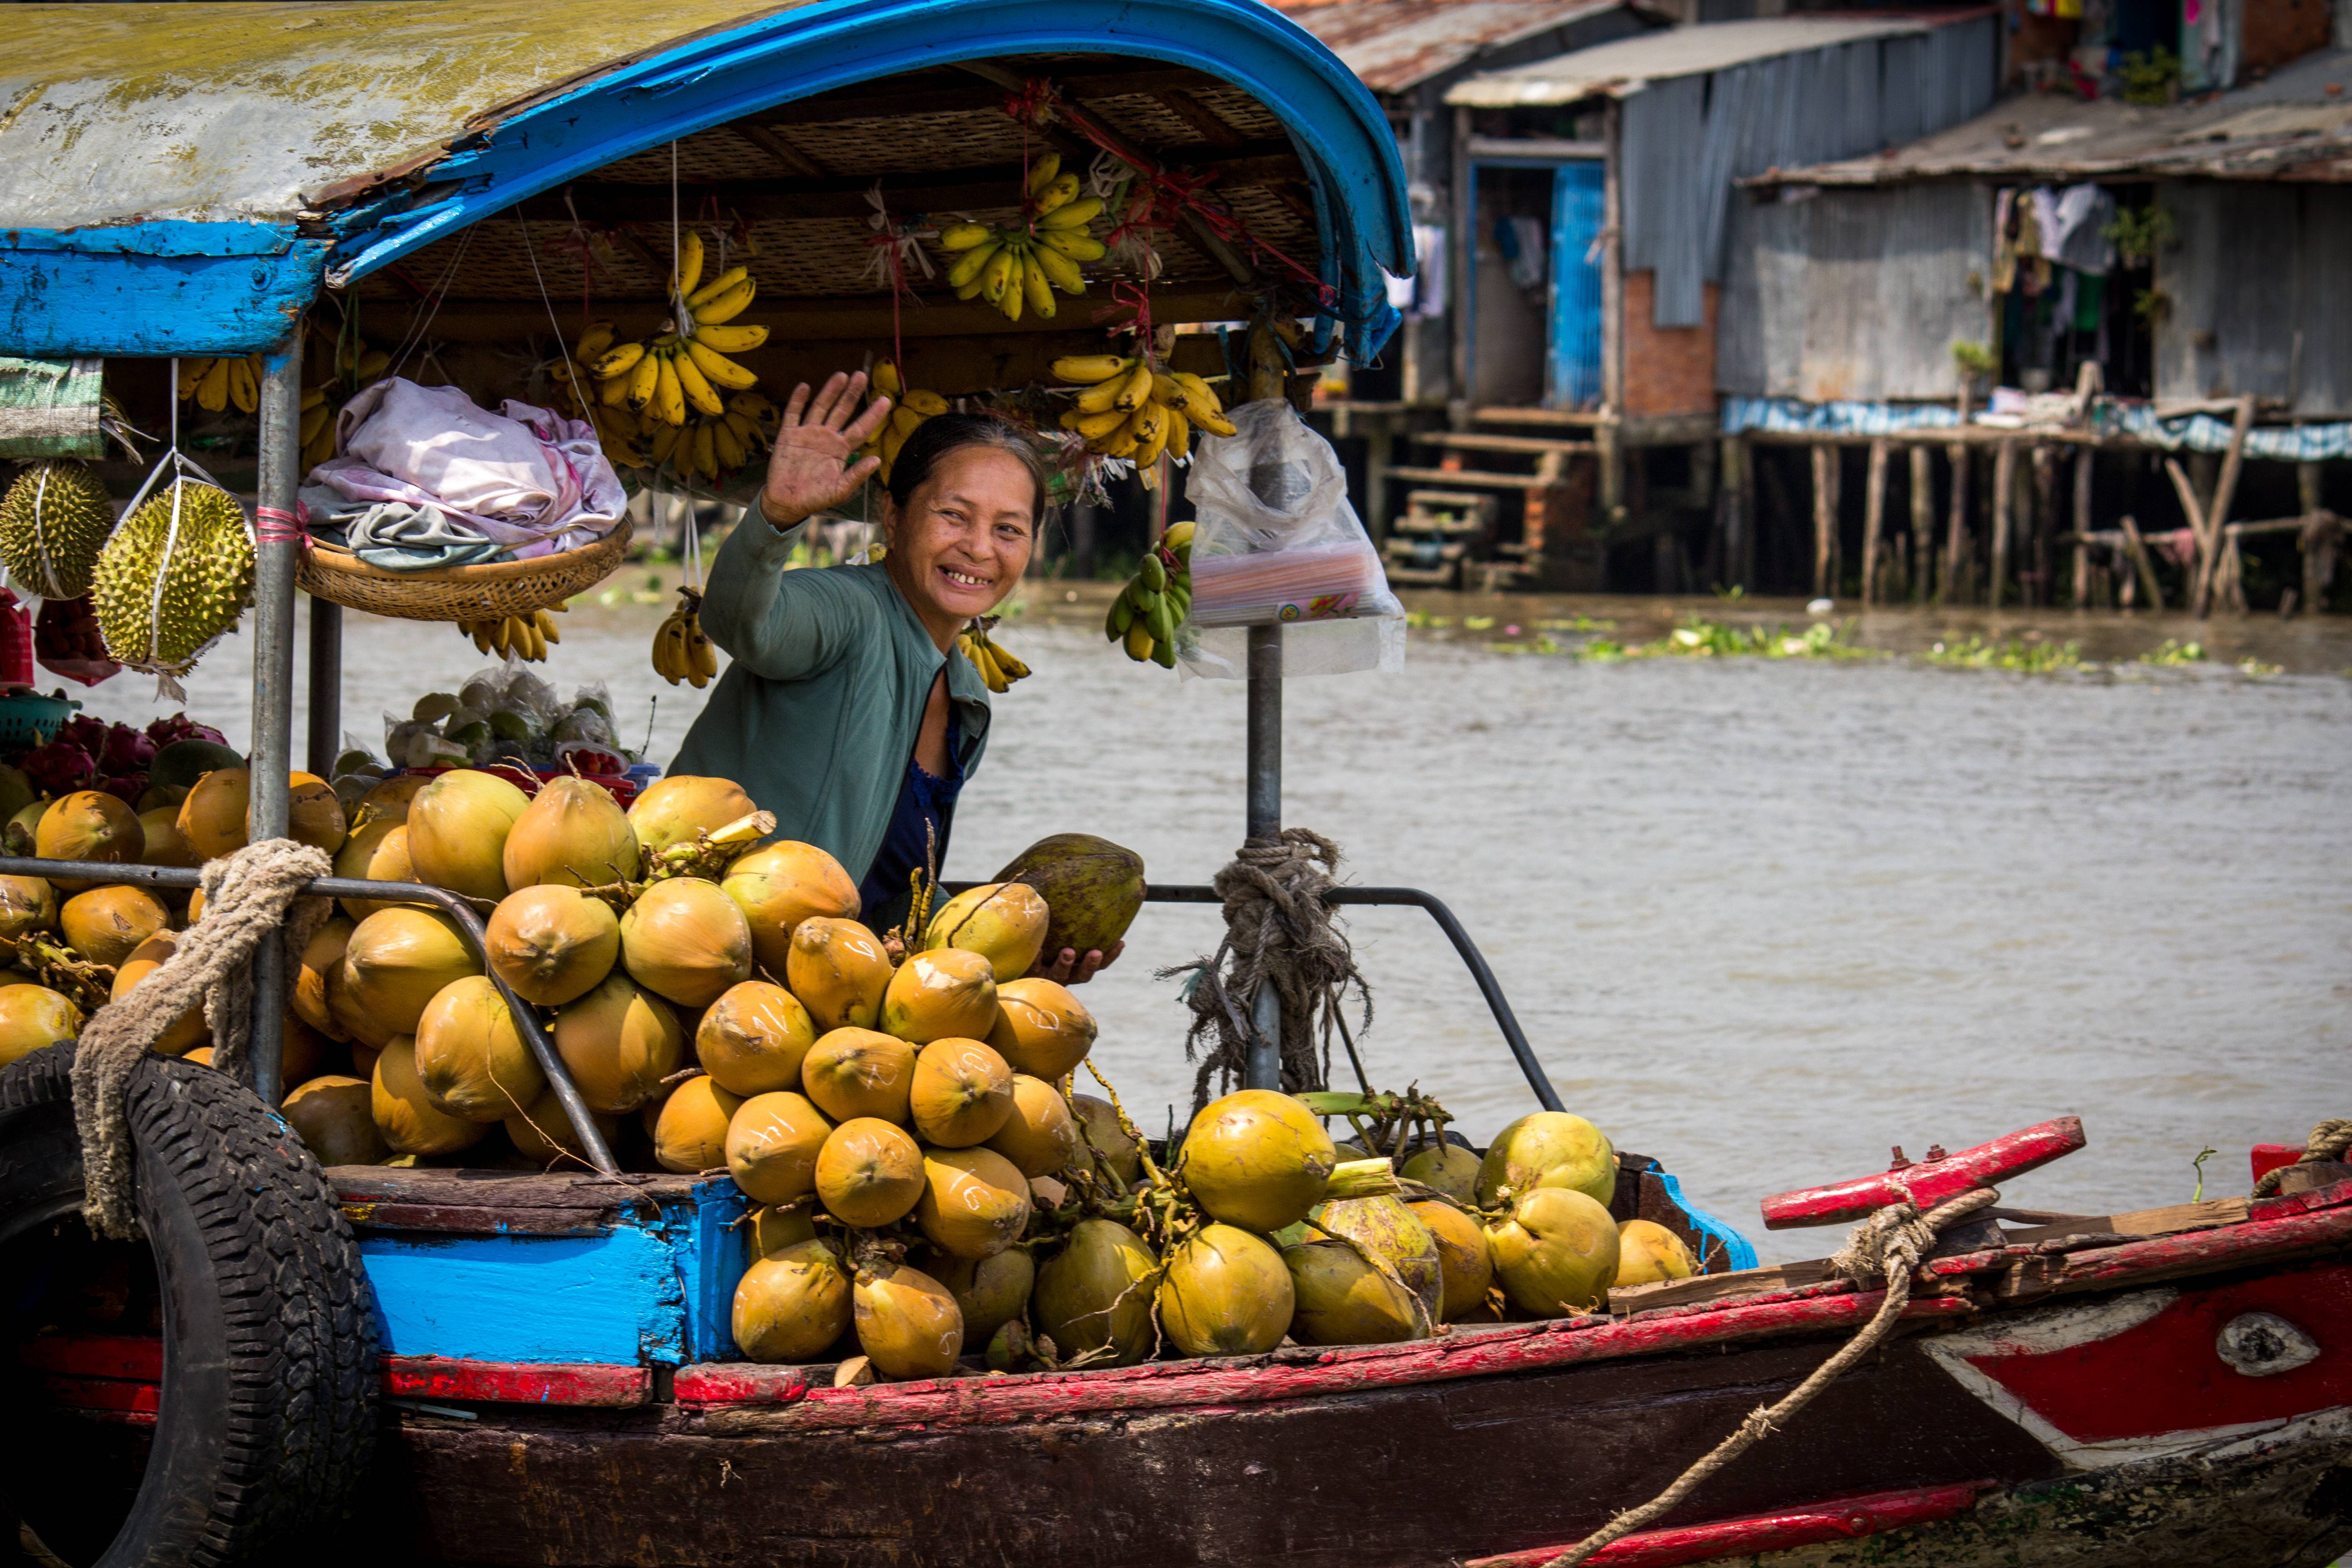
x=176, y=575
x=1278, y=543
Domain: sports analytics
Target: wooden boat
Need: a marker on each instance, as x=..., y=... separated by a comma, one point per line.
x=2171, y=1388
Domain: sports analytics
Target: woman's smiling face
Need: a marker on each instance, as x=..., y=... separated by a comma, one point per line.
x=963, y=538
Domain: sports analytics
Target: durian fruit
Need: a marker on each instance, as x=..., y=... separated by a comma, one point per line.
x=52, y=522
x=207, y=576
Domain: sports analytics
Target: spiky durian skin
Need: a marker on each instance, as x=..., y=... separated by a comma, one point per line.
x=206, y=583
x=60, y=510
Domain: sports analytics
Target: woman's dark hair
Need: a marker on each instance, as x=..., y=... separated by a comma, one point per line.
x=943, y=433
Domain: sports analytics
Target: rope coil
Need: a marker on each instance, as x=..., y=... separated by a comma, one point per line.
x=248, y=896
x=1279, y=931
x=1889, y=1244
x=2331, y=1140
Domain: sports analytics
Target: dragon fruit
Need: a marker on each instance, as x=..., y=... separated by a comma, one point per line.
x=84, y=731
x=126, y=789
x=180, y=727
x=58, y=769
x=127, y=750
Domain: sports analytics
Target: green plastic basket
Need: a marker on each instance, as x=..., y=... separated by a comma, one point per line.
x=27, y=719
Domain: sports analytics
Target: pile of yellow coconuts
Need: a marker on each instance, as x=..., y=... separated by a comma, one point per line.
x=901, y=1111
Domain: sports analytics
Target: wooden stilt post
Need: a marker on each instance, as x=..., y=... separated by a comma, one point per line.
x=1826, y=502
x=1730, y=504
x=2004, y=517
x=1923, y=524
x=2136, y=548
x=1873, y=520
x=2217, y=511
x=2045, y=523
x=1953, y=590
x=1749, y=523
x=2084, y=457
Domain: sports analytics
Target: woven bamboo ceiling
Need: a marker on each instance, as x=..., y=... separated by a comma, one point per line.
x=795, y=182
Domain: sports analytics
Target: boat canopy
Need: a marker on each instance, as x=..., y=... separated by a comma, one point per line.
x=182, y=179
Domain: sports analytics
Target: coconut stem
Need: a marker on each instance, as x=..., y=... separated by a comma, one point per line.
x=1361, y=1179
x=86, y=985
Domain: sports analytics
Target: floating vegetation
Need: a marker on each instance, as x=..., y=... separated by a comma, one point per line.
x=1700, y=637
x=2026, y=656
x=2173, y=653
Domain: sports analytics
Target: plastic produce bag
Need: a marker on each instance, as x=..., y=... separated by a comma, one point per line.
x=1278, y=543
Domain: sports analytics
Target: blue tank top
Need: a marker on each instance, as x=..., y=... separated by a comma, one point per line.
x=917, y=831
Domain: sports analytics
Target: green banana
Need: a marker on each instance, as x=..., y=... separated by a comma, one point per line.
x=1154, y=576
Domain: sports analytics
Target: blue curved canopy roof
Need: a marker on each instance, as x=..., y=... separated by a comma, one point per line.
x=182, y=179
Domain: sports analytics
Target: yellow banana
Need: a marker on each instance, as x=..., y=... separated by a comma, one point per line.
x=1098, y=396
x=1014, y=668
x=727, y=339
x=1073, y=244
x=1088, y=369
x=373, y=364
x=1137, y=390
x=593, y=342
x=192, y=371
x=1057, y=270
x=1042, y=173
x=690, y=381
x=730, y=448
x=706, y=451
x=1180, y=434
x=1039, y=288
x=664, y=444
x=996, y=278
x=244, y=389
x=619, y=361
x=645, y=380
x=968, y=265
x=1150, y=429
x=722, y=307
x=926, y=403
x=963, y=236
x=689, y=264
x=1016, y=289
x=1138, y=641
x=1096, y=427
x=718, y=368
x=1060, y=193
x=724, y=283
x=1077, y=214
x=669, y=394
x=545, y=621
x=1215, y=424
x=904, y=419
x=212, y=391
x=1199, y=396
x=746, y=428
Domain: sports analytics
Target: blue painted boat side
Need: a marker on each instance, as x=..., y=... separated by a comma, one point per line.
x=155, y=288
x=1736, y=1251
x=717, y=1250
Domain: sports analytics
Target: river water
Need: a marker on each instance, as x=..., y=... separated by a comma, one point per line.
x=1762, y=919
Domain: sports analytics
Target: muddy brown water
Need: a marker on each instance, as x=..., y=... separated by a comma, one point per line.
x=1762, y=919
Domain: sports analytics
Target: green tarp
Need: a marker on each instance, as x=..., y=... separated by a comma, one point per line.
x=49, y=407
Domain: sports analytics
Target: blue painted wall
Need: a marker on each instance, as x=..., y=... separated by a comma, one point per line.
x=661, y=1290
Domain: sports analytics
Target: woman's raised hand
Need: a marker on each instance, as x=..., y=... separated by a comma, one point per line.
x=809, y=470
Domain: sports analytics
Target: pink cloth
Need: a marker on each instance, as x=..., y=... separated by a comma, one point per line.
x=526, y=476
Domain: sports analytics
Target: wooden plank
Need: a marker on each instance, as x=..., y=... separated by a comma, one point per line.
x=1720, y=1286
x=596, y=1384
x=1472, y=476
x=2140, y=1222
x=940, y=1404
x=1930, y=1182
x=1845, y=1519
x=1502, y=416
x=746, y=1383
x=2207, y=1251
x=2143, y=565
x=1475, y=441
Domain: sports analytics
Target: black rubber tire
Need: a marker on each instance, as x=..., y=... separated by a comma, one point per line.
x=268, y=1420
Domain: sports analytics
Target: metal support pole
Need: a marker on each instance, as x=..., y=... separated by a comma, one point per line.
x=1264, y=1067
x=273, y=677
x=326, y=738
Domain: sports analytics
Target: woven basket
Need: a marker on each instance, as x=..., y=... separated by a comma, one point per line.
x=462, y=593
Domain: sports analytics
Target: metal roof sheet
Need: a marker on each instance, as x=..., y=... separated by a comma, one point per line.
x=2286, y=127
x=113, y=114
x=1625, y=66
x=1397, y=44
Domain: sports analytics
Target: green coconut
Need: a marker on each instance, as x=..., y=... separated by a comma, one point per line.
x=33, y=1017
x=690, y=1133
x=961, y=1093
x=936, y=995
x=469, y=1055
x=457, y=828
x=753, y=1039
x=1465, y=1272
x=1650, y=1254
x=1094, y=1297
x=553, y=943
x=990, y=1292
x=1448, y=1168
x=837, y=968
x=91, y=824
x=1226, y=1292
x=1039, y=1135
x=404, y=1112
x=1387, y=1227
x=105, y=924
x=1256, y=1159
x=781, y=886
x=619, y=1043
x=908, y=1324
x=868, y=1173
x=673, y=809
x=859, y=1072
x=792, y=1303
x=573, y=834
x=397, y=960
x=1092, y=889
x=772, y=1143
x=183, y=762
x=1004, y=922
x=542, y=1134
x=333, y=1116
x=1342, y=1299
x=377, y=851
x=1549, y=1149
x=1555, y=1253
x=1104, y=1145
x=686, y=939
x=975, y=1202
x=1041, y=1029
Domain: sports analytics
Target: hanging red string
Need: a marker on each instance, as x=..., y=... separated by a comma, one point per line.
x=891, y=248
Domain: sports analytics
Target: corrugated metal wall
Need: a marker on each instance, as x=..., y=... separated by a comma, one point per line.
x=1686, y=140
x=1854, y=293
x=2255, y=295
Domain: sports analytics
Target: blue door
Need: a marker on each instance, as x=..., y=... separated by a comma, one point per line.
x=1572, y=378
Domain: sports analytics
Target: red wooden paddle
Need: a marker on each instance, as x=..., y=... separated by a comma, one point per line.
x=1929, y=1182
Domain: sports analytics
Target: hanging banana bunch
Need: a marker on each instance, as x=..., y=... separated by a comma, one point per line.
x=712, y=448
x=685, y=365
x=996, y=667
x=214, y=383
x=1133, y=409
x=910, y=409
x=1020, y=268
x=525, y=636
x=1144, y=618
x=680, y=650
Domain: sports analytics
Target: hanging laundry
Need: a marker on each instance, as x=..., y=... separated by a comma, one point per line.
x=2078, y=232
x=2020, y=264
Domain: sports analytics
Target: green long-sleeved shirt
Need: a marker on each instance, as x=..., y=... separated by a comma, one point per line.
x=817, y=716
